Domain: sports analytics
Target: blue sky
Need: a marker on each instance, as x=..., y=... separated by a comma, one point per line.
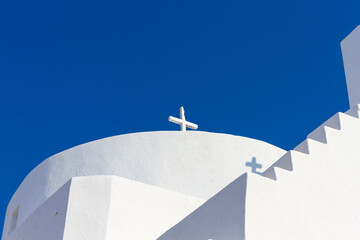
x=74, y=71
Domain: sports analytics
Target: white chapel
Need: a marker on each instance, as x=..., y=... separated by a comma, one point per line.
x=194, y=185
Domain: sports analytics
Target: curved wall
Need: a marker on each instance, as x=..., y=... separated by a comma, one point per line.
x=194, y=163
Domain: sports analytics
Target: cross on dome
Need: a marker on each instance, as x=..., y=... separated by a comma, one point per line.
x=182, y=121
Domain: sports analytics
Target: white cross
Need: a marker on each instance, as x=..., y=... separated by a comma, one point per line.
x=182, y=122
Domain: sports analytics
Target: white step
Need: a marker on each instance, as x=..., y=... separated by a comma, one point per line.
x=285, y=163
x=281, y=173
x=308, y=145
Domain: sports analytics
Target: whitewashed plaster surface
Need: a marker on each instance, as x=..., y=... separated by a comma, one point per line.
x=221, y=217
x=142, y=211
x=312, y=192
x=198, y=164
x=320, y=198
x=47, y=222
x=105, y=207
x=350, y=47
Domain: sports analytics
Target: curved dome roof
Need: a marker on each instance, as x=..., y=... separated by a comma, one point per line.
x=194, y=163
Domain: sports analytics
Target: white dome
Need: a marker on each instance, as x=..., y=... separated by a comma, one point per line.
x=194, y=163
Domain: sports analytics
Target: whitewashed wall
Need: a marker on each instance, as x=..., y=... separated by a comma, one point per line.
x=312, y=192
x=105, y=207
x=320, y=198
x=198, y=164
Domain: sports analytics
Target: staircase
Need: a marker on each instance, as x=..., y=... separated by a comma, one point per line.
x=320, y=136
x=311, y=192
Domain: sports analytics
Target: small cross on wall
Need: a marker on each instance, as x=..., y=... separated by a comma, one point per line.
x=182, y=121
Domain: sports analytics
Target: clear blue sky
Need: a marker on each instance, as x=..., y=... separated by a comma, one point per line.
x=74, y=71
